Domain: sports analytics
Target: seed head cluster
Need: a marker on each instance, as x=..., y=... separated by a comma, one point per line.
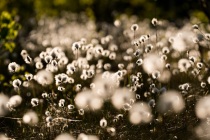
x=125, y=77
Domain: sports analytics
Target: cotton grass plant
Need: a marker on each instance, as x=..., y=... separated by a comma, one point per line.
x=130, y=83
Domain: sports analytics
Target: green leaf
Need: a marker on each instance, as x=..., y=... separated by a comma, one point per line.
x=2, y=77
x=9, y=46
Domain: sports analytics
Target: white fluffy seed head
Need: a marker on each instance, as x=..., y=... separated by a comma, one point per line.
x=65, y=136
x=105, y=84
x=184, y=65
x=121, y=97
x=39, y=65
x=165, y=50
x=153, y=62
x=96, y=102
x=29, y=76
x=208, y=80
x=139, y=62
x=16, y=83
x=61, y=78
x=13, y=67
x=105, y=53
x=93, y=137
x=155, y=74
x=98, y=49
x=112, y=56
x=30, y=118
x=34, y=102
x=47, y=113
x=195, y=26
x=203, y=84
x=165, y=76
x=207, y=36
x=15, y=100
x=111, y=131
x=202, y=108
x=48, y=58
x=70, y=80
x=140, y=113
x=179, y=43
x=61, y=88
x=24, y=54
x=103, y=122
x=134, y=27
x=70, y=69
x=202, y=130
x=44, y=77
x=48, y=119
x=135, y=118
x=70, y=107
x=81, y=112
x=171, y=101
x=154, y=21
x=3, y=101
x=28, y=60
x=199, y=65
x=44, y=95
x=86, y=99
x=82, y=136
x=63, y=61
x=82, y=99
x=76, y=46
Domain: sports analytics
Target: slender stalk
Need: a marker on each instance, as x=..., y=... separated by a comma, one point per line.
x=11, y=118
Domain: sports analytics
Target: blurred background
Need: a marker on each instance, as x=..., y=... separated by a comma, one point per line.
x=107, y=10
x=28, y=12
